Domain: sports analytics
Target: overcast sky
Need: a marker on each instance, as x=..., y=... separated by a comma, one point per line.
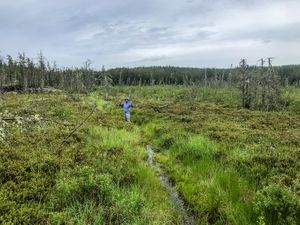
x=114, y=33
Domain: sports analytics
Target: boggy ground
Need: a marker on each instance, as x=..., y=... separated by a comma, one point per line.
x=231, y=166
x=97, y=176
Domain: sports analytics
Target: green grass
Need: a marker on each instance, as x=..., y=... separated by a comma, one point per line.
x=230, y=165
x=216, y=193
x=99, y=177
x=218, y=154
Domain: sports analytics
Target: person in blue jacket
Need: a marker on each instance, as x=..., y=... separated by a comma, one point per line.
x=126, y=105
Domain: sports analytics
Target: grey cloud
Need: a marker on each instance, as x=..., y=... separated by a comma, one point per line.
x=134, y=32
x=154, y=58
x=286, y=33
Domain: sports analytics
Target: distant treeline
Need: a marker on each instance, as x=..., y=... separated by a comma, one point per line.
x=25, y=74
x=289, y=75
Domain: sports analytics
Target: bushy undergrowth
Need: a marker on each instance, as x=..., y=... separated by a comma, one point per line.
x=238, y=152
x=277, y=205
x=98, y=175
x=231, y=166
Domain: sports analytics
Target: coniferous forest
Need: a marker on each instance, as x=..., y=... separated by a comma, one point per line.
x=23, y=74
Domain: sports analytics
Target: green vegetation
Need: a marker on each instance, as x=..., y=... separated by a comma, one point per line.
x=215, y=77
x=99, y=176
x=230, y=165
x=221, y=157
x=23, y=74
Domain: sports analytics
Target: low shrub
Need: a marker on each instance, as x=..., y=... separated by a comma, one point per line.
x=277, y=205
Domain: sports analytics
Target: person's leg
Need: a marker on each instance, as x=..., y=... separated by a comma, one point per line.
x=127, y=117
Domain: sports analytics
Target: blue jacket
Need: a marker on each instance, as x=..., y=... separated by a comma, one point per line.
x=126, y=106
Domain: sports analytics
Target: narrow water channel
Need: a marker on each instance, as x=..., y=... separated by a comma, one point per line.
x=175, y=198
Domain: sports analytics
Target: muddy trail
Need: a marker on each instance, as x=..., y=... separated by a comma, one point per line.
x=175, y=197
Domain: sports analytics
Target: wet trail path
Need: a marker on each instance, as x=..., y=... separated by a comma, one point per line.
x=175, y=198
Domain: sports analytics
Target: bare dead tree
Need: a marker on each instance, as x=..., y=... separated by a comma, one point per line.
x=216, y=78
x=229, y=79
x=42, y=70
x=262, y=82
x=222, y=79
x=245, y=84
x=205, y=78
x=260, y=87
x=273, y=95
x=23, y=71
x=120, y=78
x=152, y=80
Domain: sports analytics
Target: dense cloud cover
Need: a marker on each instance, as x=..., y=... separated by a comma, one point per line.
x=152, y=32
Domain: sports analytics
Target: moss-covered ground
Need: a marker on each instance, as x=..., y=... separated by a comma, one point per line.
x=231, y=166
